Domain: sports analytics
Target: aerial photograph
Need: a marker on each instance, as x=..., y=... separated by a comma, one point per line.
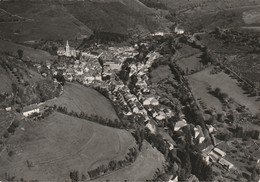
x=130, y=90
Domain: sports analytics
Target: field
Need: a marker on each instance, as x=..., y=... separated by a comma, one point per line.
x=82, y=99
x=5, y=81
x=28, y=53
x=190, y=63
x=201, y=80
x=160, y=73
x=60, y=144
x=142, y=169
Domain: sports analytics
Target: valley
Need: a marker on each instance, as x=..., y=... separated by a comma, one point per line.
x=129, y=90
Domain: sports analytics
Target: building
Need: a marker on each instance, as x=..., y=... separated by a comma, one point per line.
x=67, y=51
x=29, y=110
x=178, y=30
x=225, y=163
x=151, y=101
x=8, y=109
x=180, y=124
x=219, y=152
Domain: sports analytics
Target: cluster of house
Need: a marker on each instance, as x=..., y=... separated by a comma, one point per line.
x=139, y=101
x=214, y=154
x=28, y=110
x=114, y=57
x=87, y=68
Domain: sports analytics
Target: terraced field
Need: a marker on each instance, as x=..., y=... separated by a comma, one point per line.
x=60, y=144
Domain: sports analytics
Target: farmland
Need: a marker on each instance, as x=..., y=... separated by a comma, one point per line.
x=142, y=169
x=82, y=99
x=60, y=144
x=28, y=53
x=201, y=80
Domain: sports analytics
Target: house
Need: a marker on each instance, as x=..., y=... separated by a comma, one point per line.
x=225, y=163
x=8, y=109
x=178, y=30
x=180, y=124
x=135, y=110
x=29, y=110
x=197, y=132
x=151, y=127
x=158, y=34
x=214, y=157
x=219, y=152
x=211, y=129
x=127, y=111
x=151, y=101
x=161, y=116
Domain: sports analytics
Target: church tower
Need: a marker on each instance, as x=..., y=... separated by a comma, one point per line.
x=68, y=49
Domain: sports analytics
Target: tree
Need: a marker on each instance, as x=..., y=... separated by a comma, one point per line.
x=74, y=176
x=217, y=91
x=20, y=53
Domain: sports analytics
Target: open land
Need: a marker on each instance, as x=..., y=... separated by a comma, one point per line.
x=82, y=99
x=146, y=164
x=60, y=144
x=28, y=53
x=201, y=80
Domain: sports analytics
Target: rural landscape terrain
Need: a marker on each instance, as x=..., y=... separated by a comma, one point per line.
x=130, y=90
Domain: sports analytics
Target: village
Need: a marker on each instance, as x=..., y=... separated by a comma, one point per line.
x=94, y=65
x=100, y=66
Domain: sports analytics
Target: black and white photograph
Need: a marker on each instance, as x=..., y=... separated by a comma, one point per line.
x=130, y=90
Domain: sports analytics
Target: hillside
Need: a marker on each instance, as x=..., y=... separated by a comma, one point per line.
x=82, y=99
x=197, y=15
x=29, y=53
x=60, y=144
x=117, y=16
x=52, y=20
x=145, y=166
x=45, y=22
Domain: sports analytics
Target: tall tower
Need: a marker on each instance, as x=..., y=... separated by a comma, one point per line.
x=68, y=49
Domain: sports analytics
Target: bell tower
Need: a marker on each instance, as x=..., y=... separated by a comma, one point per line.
x=67, y=49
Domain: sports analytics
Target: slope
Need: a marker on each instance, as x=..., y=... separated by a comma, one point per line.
x=45, y=21
x=60, y=144
x=117, y=16
x=82, y=99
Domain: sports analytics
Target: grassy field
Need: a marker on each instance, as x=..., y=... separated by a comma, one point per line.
x=60, y=144
x=201, y=80
x=160, y=73
x=79, y=98
x=142, y=169
x=5, y=81
x=28, y=52
x=190, y=63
